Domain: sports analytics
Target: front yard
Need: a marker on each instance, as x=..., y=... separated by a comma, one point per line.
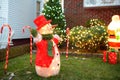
x=75, y=68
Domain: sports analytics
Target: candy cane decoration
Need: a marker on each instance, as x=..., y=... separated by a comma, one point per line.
x=30, y=42
x=67, y=33
x=8, y=45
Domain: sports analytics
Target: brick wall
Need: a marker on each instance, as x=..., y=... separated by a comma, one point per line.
x=76, y=14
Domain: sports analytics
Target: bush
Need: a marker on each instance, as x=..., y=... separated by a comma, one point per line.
x=94, y=22
x=88, y=38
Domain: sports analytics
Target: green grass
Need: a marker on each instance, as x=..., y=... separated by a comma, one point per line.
x=75, y=68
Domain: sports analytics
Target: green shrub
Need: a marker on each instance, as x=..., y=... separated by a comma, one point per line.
x=94, y=22
x=88, y=38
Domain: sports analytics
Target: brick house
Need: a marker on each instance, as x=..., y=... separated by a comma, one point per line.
x=77, y=14
x=20, y=13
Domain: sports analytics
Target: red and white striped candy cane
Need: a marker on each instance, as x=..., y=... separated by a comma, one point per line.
x=30, y=42
x=67, y=34
x=8, y=45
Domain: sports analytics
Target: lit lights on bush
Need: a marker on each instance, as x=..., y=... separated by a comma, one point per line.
x=88, y=38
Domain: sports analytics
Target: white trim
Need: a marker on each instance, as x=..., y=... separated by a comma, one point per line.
x=41, y=5
x=62, y=4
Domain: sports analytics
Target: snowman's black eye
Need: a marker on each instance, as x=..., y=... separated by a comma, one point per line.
x=57, y=53
x=58, y=64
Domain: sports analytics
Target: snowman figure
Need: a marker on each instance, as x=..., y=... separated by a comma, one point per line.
x=47, y=61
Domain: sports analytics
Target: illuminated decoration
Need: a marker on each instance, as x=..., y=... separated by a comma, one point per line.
x=30, y=42
x=8, y=46
x=111, y=56
x=114, y=32
x=47, y=61
x=90, y=37
x=53, y=11
x=105, y=56
x=67, y=40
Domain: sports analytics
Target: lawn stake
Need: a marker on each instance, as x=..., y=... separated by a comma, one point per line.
x=67, y=34
x=30, y=42
x=8, y=45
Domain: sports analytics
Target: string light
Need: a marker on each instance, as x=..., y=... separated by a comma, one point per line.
x=90, y=36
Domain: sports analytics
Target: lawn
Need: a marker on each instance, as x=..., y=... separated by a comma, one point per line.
x=75, y=68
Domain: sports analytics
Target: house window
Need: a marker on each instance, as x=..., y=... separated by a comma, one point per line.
x=38, y=8
x=99, y=3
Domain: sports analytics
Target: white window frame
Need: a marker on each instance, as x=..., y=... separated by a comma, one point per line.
x=62, y=4
x=101, y=3
x=41, y=6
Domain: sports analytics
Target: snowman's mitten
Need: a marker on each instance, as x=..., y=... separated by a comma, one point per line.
x=57, y=37
x=37, y=38
x=34, y=32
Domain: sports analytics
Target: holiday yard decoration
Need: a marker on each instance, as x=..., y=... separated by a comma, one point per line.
x=8, y=45
x=53, y=11
x=111, y=56
x=30, y=42
x=105, y=56
x=114, y=32
x=47, y=58
x=67, y=41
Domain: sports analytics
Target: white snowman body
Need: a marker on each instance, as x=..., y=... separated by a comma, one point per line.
x=45, y=64
x=54, y=67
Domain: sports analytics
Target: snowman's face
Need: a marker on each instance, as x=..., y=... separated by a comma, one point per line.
x=46, y=29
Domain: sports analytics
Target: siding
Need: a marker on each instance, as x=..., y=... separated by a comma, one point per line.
x=3, y=11
x=3, y=19
x=21, y=13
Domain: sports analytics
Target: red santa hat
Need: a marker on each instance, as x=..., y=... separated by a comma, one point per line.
x=40, y=21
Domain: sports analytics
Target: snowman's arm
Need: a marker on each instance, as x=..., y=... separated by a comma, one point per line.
x=37, y=38
x=56, y=38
